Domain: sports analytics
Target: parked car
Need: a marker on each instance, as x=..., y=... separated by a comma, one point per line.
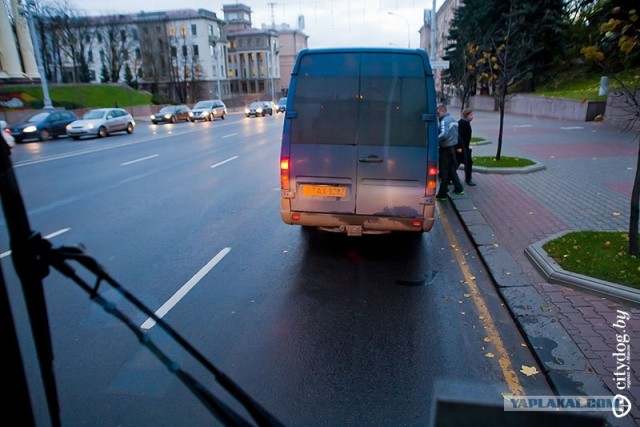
x=282, y=105
x=43, y=125
x=8, y=138
x=259, y=108
x=208, y=110
x=101, y=122
x=171, y=114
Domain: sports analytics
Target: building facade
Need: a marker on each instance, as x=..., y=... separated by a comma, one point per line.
x=440, y=40
x=180, y=55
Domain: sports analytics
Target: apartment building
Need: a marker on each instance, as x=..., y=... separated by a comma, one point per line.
x=182, y=55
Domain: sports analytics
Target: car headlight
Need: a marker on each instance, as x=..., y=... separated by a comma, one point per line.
x=259, y=110
x=246, y=111
x=153, y=117
x=89, y=125
x=190, y=113
x=167, y=116
x=29, y=129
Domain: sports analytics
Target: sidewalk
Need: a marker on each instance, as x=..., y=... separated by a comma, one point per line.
x=585, y=184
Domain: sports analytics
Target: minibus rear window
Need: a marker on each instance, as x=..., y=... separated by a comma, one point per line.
x=360, y=98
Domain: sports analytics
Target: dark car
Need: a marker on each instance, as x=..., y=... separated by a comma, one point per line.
x=171, y=114
x=282, y=105
x=43, y=125
x=259, y=108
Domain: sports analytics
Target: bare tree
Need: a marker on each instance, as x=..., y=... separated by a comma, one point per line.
x=508, y=60
x=115, y=32
x=184, y=64
x=154, y=47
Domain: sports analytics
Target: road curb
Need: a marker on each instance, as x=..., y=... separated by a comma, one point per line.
x=549, y=268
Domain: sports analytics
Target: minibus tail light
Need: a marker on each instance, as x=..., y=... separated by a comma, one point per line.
x=284, y=173
x=432, y=179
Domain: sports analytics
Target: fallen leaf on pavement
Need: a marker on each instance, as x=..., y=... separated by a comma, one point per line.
x=529, y=370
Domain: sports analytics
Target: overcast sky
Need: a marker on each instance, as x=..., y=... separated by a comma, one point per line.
x=328, y=23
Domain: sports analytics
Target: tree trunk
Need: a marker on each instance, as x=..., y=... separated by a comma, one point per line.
x=501, y=104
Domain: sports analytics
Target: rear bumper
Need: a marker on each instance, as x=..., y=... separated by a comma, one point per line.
x=343, y=223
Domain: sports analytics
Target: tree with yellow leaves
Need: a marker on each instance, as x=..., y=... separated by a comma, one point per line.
x=618, y=51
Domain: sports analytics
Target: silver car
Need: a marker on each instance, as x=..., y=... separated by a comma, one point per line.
x=208, y=110
x=102, y=122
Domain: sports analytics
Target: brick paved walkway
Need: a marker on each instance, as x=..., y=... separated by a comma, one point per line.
x=586, y=186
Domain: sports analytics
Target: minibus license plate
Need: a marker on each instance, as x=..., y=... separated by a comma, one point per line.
x=323, y=191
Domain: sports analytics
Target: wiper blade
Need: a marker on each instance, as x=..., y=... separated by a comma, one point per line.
x=58, y=257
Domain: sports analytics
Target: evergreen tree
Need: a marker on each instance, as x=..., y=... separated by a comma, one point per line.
x=467, y=36
x=104, y=74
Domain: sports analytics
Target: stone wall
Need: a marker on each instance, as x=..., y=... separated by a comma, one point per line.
x=620, y=112
x=540, y=106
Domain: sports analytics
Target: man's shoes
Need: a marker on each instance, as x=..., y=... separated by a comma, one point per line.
x=459, y=193
x=470, y=183
x=442, y=198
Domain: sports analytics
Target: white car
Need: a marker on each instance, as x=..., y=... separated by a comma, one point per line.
x=102, y=122
x=6, y=134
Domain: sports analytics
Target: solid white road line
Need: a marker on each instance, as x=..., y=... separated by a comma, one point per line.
x=223, y=162
x=182, y=292
x=229, y=135
x=48, y=236
x=139, y=160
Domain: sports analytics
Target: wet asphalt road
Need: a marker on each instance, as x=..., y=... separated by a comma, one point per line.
x=320, y=329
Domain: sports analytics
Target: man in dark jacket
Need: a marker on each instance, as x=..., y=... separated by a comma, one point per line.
x=464, y=140
x=447, y=140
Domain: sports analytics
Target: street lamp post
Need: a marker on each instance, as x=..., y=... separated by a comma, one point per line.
x=408, y=29
x=26, y=11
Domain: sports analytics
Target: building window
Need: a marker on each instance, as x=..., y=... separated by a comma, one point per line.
x=210, y=29
x=174, y=51
x=123, y=35
x=138, y=53
x=185, y=53
x=134, y=33
x=194, y=30
x=90, y=57
x=99, y=38
x=196, y=51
